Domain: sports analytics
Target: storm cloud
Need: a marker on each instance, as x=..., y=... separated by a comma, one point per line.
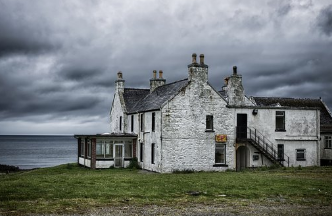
x=59, y=59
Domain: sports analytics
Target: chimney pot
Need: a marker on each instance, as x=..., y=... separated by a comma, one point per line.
x=160, y=74
x=235, y=70
x=119, y=75
x=154, y=74
x=201, y=59
x=194, y=58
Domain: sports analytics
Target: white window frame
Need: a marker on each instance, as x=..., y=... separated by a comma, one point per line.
x=220, y=146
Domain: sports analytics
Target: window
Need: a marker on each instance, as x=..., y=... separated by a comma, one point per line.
x=152, y=152
x=280, y=120
x=153, y=121
x=328, y=141
x=141, y=151
x=142, y=122
x=120, y=126
x=132, y=123
x=128, y=150
x=220, y=154
x=99, y=149
x=209, y=122
x=108, y=150
x=82, y=147
x=280, y=151
x=104, y=149
x=300, y=154
x=89, y=147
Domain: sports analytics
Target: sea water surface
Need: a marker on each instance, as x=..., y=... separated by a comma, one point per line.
x=37, y=151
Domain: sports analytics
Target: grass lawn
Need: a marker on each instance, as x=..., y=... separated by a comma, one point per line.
x=73, y=189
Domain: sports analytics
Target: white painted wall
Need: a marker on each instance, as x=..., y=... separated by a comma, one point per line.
x=185, y=143
x=116, y=112
x=302, y=131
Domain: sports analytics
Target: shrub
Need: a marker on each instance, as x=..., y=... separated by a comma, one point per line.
x=184, y=171
x=134, y=164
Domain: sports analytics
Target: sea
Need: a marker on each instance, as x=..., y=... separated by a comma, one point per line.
x=37, y=151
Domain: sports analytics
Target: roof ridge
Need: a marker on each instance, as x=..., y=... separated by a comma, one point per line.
x=137, y=89
x=288, y=98
x=174, y=82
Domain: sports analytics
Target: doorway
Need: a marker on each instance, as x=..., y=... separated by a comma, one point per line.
x=118, y=155
x=242, y=158
x=241, y=127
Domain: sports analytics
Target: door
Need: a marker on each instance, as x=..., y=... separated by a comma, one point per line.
x=118, y=155
x=241, y=126
x=280, y=152
x=242, y=158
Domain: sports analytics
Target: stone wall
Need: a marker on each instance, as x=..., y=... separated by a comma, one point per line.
x=185, y=142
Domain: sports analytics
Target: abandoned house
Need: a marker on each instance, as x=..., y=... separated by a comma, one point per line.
x=189, y=125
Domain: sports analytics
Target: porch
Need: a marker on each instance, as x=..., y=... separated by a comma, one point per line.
x=106, y=150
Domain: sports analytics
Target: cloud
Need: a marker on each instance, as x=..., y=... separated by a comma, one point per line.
x=58, y=60
x=324, y=21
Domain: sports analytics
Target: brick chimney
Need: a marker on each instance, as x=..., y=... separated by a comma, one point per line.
x=156, y=82
x=119, y=83
x=198, y=71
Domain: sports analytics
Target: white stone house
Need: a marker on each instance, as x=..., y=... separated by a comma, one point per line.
x=188, y=125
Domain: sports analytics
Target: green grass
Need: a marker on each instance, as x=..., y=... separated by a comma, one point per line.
x=73, y=189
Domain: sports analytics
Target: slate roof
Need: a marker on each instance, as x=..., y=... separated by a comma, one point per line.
x=146, y=101
x=132, y=96
x=325, y=114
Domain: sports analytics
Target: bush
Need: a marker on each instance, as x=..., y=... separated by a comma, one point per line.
x=184, y=171
x=134, y=164
x=8, y=168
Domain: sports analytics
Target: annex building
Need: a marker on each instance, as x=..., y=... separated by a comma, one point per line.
x=189, y=125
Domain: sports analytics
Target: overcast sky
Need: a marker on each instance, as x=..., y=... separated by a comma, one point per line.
x=59, y=59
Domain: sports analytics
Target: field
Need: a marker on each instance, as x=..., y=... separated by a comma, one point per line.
x=70, y=189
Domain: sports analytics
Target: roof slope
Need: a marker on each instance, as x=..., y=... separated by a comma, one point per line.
x=155, y=99
x=133, y=96
x=325, y=116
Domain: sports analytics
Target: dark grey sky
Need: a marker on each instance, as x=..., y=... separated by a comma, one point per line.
x=59, y=59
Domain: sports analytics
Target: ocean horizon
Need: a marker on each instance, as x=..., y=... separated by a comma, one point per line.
x=37, y=151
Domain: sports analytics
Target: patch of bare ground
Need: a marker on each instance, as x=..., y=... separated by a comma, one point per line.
x=213, y=210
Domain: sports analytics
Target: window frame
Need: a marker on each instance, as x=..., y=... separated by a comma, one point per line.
x=83, y=147
x=106, y=149
x=120, y=123
x=209, y=123
x=142, y=122
x=141, y=151
x=281, y=152
x=280, y=116
x=89, y=146
x=128, y=149
x=153, y=146
x=132, y=123
x=221, y=146
x=153, y=121
x=303, y=151
x=328, y=142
